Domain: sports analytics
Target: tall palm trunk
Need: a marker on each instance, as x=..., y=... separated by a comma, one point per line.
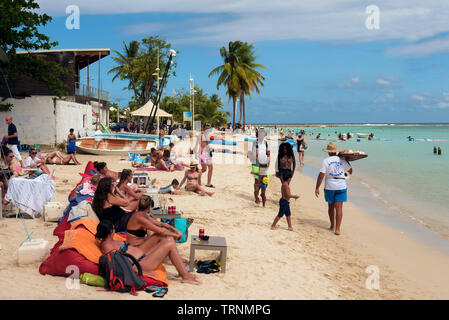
x=233, y=112
x=244, y=112
x=241, y=109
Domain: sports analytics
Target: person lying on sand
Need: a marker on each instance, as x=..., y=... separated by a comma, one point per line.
x=149, y=261
x=193, y=177
x=56, y=157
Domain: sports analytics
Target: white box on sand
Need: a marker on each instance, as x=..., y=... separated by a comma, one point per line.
x=35, y=250
x=53, y=211
x=154, y=194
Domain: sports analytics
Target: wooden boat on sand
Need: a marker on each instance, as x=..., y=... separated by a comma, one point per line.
x=108, y=146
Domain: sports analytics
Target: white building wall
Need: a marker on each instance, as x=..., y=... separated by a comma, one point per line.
x=47, y=120
x=34, y=118
x=73, y=115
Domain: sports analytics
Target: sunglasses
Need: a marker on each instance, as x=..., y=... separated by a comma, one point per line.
x=33, y=152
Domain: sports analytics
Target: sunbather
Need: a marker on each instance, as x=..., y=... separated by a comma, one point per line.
x=149, y=261
x=193, y=177
x=32, y=161
x=56, y=157
x=8, y=171
x=108, y=204
x=165, y=163
x=131, y=191
x=104, y=171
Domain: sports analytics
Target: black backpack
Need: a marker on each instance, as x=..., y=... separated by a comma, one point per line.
x=118, y=271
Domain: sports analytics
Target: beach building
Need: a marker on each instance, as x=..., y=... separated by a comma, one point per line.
x=43, y=118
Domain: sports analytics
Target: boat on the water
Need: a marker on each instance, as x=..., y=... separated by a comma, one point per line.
x=363, y=135
x=107, y=145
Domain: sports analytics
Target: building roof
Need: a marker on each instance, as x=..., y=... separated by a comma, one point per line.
x=83, y=57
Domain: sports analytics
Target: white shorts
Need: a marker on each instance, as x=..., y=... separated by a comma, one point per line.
x=13, y=148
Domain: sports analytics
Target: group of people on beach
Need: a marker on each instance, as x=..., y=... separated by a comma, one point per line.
x=35, y=164
x=333, y=171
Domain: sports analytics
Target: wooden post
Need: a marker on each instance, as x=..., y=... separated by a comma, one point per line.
x=99, y=77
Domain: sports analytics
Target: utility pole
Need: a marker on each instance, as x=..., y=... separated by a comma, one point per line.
x=118, y=110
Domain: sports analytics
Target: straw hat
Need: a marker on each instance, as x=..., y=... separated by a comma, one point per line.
x=193, y=163
x=331, y=148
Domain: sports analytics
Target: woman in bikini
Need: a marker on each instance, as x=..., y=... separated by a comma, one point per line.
x=165, y=163
x=131, y=192
x=149, y=261
x=104, y=171
x=56, y=157
x=286, y=160
x=193, y=178
x=108, y=204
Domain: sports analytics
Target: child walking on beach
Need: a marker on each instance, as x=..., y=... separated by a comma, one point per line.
x=284, y=204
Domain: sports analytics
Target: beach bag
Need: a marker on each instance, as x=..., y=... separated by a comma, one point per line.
x=182, y=225
x=119, y=274
x=257, y=160
x=304, y=145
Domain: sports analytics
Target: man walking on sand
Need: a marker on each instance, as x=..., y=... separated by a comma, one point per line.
x=12, y=139
x=335, y=189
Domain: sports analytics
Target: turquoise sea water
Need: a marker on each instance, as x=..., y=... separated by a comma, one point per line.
x=406, y=176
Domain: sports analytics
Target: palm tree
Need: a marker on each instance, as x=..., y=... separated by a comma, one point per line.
x=210, y=113
x=252, y=79
x=238, y=74
x=229, y=74
x=125, y=64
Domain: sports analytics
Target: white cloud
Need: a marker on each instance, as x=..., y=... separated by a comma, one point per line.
x=417, y=97
x=355, y=80
x=260, y=20
x=443, y=105
x=383, y=82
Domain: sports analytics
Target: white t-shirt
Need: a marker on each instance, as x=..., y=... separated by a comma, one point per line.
x=334, y=169
x=29, y=161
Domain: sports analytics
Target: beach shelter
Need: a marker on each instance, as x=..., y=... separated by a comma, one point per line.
x=145, y=111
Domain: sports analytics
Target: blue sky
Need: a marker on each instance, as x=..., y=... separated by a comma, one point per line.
x=324, y=64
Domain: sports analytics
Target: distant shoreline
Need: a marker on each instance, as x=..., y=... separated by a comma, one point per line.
x=347, y=124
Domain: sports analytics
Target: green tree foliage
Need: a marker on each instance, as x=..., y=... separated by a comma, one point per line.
x=19, y=23
x=137, y=63
x=207, y=109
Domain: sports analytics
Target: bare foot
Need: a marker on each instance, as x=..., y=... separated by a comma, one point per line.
x=337, y=232
x=273, y=227
x=290, y=229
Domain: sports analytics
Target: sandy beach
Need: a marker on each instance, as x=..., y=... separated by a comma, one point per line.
x=307, y=263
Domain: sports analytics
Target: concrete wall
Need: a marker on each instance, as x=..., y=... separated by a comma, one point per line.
x=73, y=115
x=34, y=118
x=43, y=120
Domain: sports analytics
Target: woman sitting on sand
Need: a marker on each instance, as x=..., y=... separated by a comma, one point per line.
x=150, y=260
x=56, y=157
x=131, y=191
x=32, y=161
x=145, y=232
x=104, y=171
x=286, y=160
x=193, y=177
x=9, y=171
x=165, y=163
x=109, y=204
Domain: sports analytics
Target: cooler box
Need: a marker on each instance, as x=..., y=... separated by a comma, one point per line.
x=35, y=250
x=154, y=194
x=141, y=179
x=53, y=211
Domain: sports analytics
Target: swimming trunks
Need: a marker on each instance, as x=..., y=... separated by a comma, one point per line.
x=284, y=208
